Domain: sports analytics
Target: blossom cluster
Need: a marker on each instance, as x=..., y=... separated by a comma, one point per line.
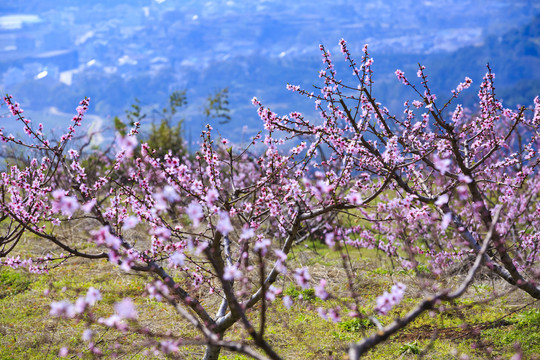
x=388, y=300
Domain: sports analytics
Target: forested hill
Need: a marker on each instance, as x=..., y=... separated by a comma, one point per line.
x=514, y=57
x=52, y=56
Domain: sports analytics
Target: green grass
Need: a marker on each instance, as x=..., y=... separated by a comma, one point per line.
x=463, y=327
x=295, y=293
x=12, y=282
x=523, y=328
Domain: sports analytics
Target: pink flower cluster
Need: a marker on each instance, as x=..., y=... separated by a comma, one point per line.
x=67, y=309
x=388, y=300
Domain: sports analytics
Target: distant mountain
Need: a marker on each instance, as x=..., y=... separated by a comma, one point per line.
x=513, y=56
x=53, y=53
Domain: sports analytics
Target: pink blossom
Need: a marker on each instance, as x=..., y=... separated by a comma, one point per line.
x=92, y=296
x=211, y=196
x=126, y=309
x=104, y=237
x=168, y=346
x=281, y=267
x=293, y=87
x=329, y=239
x=157, y=290
x=201, y=247
x=354, y=198
x=324, y=187
x=89, y=206
x=464, y=85
x=130, y=222
x=536, y=117
x=80, y=306
x=387, y=301
x=420, y=71
x=161, y=203
x=323, y=313
x=441, y=200
x=177, y=259
x=463, y=192
x=73, y=154
x=247, y=233
x=195, y=213
x=401, y=76
x=464, y=179
x=443, y=165
x=170, y=194
x=280, y=255
x=302, y=277
x=392, y=154
x=62, y=308
x=129, y=260
x=287, y=301
x=114, y=257
x=343, y=45
x=87, y=335
x=113, y=242
x=262, y=245
x=127, y=144
x=66, y=204
x=231, y=272
x=333, y=315
x=63, y=352
x=162, y=233
x=447, y=218
x=113, y=321
x=320, y=291
x=272, y=292
x=224, y=225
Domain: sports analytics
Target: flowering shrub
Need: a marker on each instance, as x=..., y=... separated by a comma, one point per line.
x=434, y=186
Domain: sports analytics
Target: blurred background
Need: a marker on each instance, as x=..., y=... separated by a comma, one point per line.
x=54, y=53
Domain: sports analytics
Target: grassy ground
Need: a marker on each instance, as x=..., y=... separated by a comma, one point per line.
x=466, y=329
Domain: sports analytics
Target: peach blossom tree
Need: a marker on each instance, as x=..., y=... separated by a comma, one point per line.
x=432, y=187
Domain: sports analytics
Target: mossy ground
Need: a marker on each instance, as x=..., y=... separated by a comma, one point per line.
x=466, y=328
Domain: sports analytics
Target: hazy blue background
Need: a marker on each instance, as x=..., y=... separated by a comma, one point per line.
x=53, y=53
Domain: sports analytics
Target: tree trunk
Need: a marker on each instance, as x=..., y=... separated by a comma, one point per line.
x=212, y=352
